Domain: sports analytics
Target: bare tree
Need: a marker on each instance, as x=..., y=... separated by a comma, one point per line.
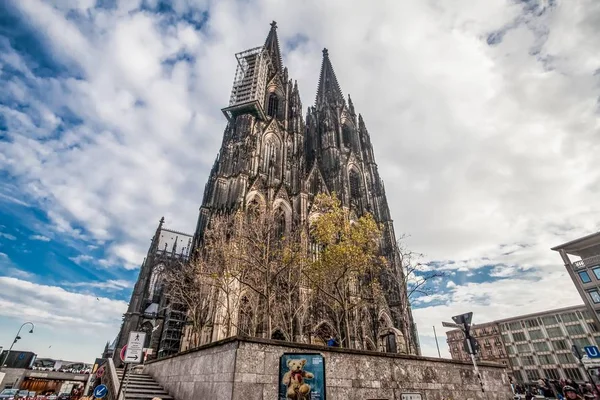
x=188, y=284
x=268, y=253
x=416, y=277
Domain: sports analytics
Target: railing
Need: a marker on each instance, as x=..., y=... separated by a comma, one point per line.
x=586, y=262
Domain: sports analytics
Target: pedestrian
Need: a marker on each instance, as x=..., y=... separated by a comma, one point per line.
x=571, y=393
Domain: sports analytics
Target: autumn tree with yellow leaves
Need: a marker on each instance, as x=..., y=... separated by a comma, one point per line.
x=348, y=261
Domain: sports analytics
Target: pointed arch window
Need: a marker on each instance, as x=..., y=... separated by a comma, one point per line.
x=155, y=285
x=347, y=136
x=253, y=211
x=273, y=105
x=270, y=155
x=279, y=223
x=354, y=185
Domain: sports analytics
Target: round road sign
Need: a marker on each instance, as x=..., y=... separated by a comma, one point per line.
x=122, y=354
x=100, y=391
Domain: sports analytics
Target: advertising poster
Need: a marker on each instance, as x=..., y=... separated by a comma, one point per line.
x=301, y=376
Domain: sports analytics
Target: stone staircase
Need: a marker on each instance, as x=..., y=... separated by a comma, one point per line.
x=141, y=386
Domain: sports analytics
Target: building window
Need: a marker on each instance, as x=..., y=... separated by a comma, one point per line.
x=565, y=358
x=595, y=296
x=537, y=334
x=541, y=346
x=523, y=348
x=528, y=360
x=546, y=359
x=550, y=320
x=519, y=376
x=514, y=326
x=519, y=336
x=581, y=342
x=506, y=337
x=355, y=189
x=514, y=362
x=574, y=374
x=592, y=327
x=585, y=277
x=560, y=345
x=597, y=339
x=554, y=332
x=597, y=272
x=569, y=317
x=552, y=374
x=510, y=349
x=273, y=107
x=532, y=375
x=532, y=323
x=576, y=329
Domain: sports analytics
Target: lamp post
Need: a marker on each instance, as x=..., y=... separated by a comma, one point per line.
x=17, y=337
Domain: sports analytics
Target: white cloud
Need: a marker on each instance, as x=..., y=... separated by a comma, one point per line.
x=112, y=284
x=7, y=236
x=75, y=325
x=80, y=259
x=8, y=268
x=525, y=293
x=41, y=238
x=488, y=152
x=55, y=306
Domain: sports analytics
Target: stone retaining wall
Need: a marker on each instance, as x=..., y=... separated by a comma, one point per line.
x=248, y=369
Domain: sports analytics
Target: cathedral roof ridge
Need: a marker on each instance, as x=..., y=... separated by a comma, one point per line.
x=177, y=232
x=328, y=90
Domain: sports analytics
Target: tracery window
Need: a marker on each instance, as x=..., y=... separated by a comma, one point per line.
x=354, y=185
x=279, y=223
x=347, y=136
x=270, y=154
x=273, y=105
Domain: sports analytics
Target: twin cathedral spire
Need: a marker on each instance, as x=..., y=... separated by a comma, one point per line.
x=269, y=149
x=271, y=154
x=274, y=155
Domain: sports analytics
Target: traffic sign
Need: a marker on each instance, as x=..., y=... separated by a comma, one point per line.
x=592, y=351
x=451, y=325
x=122, y=353
x=464, y=319
x=135, y=347
x=100, y=391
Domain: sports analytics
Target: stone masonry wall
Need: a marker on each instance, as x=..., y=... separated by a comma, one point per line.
x=248, y=369
x=197, y=375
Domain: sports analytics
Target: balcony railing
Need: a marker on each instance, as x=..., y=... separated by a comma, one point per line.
x=586, y=262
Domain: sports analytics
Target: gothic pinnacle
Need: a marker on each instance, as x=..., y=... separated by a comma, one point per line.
x=328, y=90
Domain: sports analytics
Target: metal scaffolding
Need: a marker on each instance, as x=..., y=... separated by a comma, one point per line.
x=249, y=84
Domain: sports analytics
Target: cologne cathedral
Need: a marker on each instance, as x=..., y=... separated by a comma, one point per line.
x=273, y=155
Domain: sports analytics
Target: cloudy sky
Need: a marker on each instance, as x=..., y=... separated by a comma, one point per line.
x=483, y=115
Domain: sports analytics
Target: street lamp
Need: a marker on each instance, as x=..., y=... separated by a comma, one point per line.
x=17, y=337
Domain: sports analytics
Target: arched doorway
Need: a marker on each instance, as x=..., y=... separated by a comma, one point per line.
x=278, y=335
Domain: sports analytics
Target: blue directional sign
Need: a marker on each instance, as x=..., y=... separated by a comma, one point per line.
x=100, y=391
x=592, y=351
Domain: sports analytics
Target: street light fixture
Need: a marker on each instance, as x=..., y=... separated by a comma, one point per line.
x=17, y=337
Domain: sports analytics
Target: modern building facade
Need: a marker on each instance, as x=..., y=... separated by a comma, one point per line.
x=535, y=345
x=584, y=270
x=273, y=157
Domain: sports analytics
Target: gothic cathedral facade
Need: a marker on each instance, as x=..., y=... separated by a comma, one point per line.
x=272, y=155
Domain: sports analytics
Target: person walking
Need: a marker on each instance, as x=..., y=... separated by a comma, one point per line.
x=571, y=393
